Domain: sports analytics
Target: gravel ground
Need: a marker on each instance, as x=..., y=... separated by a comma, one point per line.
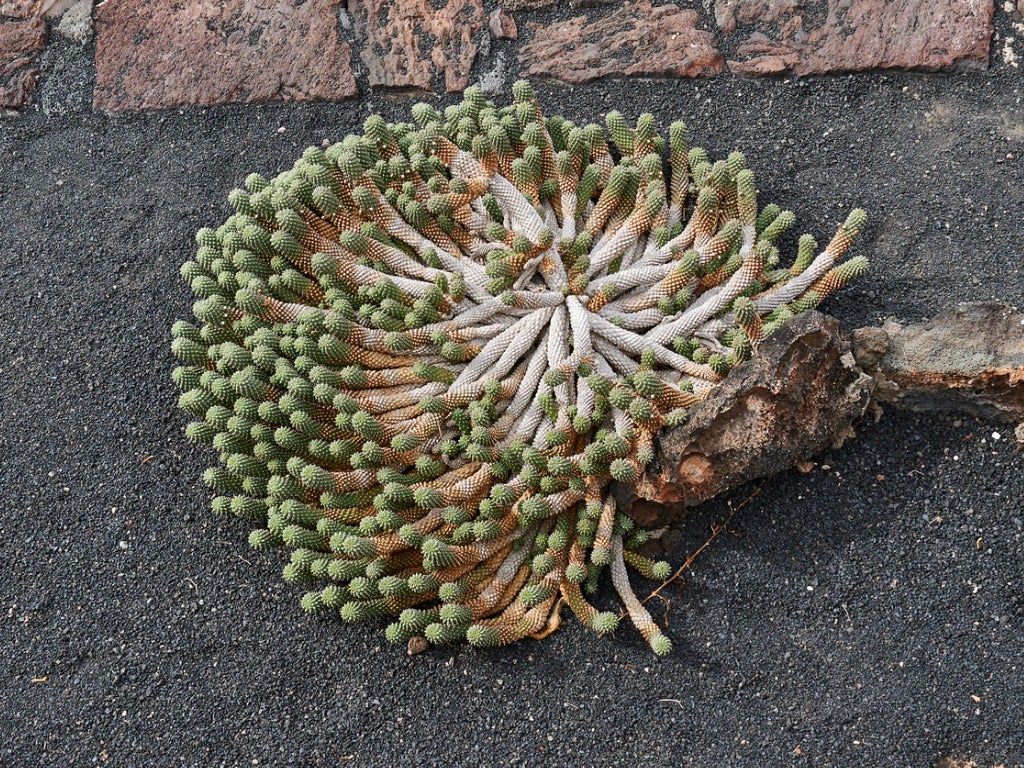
x=869, y=613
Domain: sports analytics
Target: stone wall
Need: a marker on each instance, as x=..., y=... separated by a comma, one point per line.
x=172, y=53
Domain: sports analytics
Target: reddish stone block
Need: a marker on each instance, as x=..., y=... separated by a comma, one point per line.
x=502, y=25
x=24, y=9
x=163, y=53
x=19, y=9
x=857, y=35
x=20, y=44
x=636, y=39
x=730, y=13
x=406, y=42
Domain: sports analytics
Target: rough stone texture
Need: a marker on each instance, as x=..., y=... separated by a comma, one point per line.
x=20, y=44
x=730, y=13
x=502, y=25
x=162, y=53
x=858, y=35
x=970, y=359
x=23, y=9
x=405, y=43
x=19, y=9
x=76, y=22
x=799, y=395
x=636, y=39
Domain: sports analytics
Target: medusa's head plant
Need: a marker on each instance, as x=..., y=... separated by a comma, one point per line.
x=424, y=353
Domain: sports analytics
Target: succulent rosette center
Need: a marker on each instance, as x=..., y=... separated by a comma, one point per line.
x=426, y=352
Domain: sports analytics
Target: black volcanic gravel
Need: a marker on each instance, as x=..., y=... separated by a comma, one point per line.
x=865, y=614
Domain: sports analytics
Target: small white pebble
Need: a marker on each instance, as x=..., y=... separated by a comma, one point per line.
x=996, y=436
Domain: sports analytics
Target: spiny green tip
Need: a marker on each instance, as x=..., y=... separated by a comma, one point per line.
x=623, y=470
x=482, y=637
x=856, y=221
x=604, y=622
x=261, y=538
x=660, y=644
x=522, y=91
